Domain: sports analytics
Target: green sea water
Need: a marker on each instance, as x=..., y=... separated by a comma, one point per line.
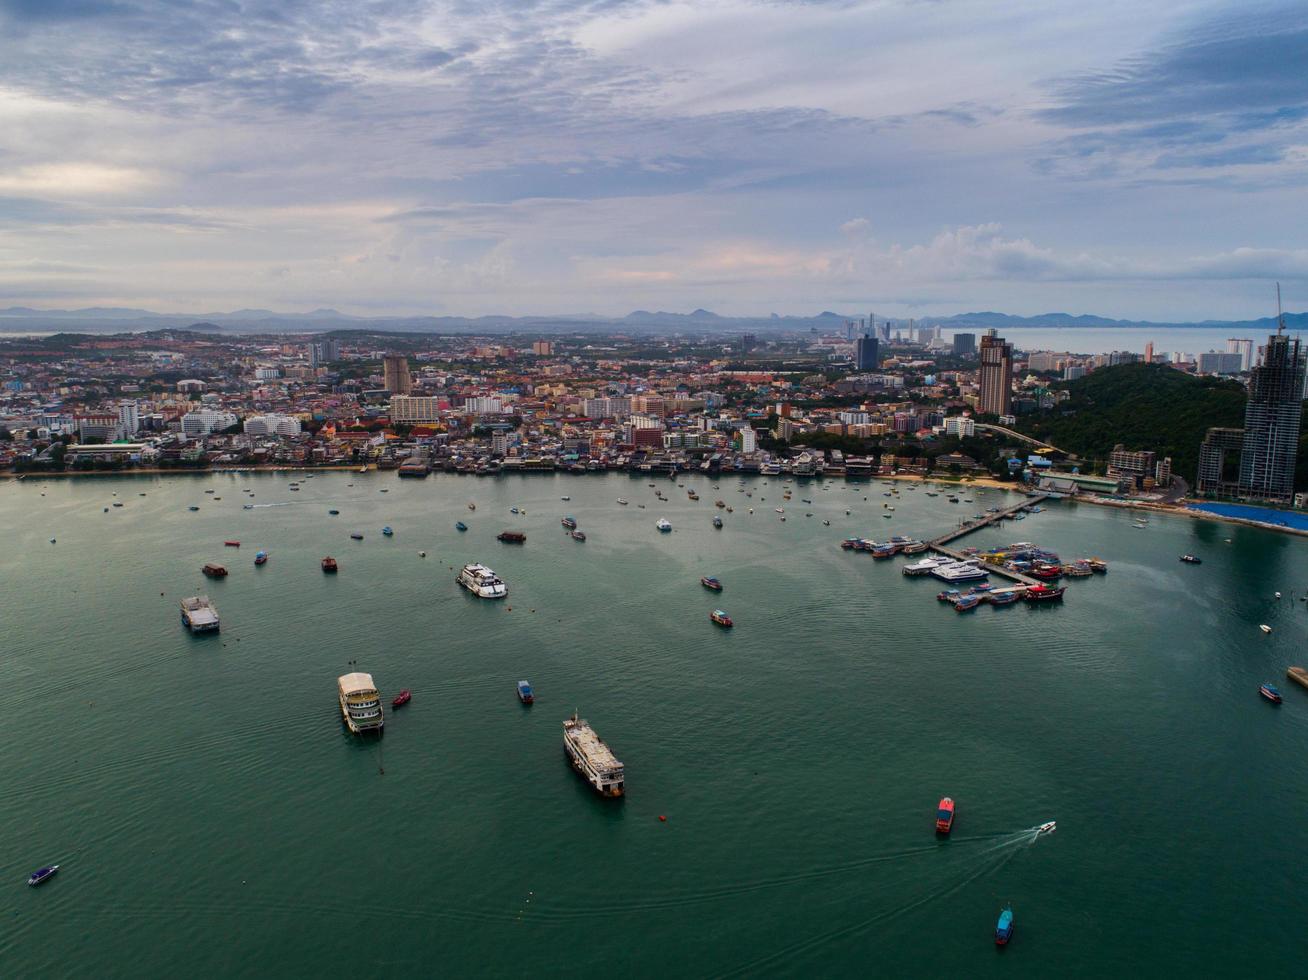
x=213, y=818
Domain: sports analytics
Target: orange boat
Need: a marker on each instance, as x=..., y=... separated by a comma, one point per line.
x=945, y=816
x=232, y=544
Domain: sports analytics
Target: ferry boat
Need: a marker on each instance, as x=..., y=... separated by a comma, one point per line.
x=717, y=521
x=1004, y=927
x=592, y=758
x=721, y=618
x=924, y=566
x=41, y=875
x=404, y=697
x=387, y=531
x=1270, y=693
x=199, y=614
x=577, y=535
x=261, y=558
x=664, y=525
x=1044, y=593
x=710, y=582
x=569, y=522
x=361, y=706
x=959, y=571
x=525, y=694
x=460, y=526
x=945, y=816
x=512, y=537
x=213, y=570
x=329, y=564
x=1191, y=560
x=482, y=582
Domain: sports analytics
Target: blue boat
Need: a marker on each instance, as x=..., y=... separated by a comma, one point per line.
x=460, y=526
x=1004, y=928
x=1003, y=598
x=260, y=557
x=42, y=875
x=966, y=603
x=525, y=694
x=387, y=531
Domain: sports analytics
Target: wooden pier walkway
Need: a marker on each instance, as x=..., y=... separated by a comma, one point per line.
x=939, y=545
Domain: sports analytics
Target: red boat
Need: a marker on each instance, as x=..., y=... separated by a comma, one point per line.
x=232, y=544
x=402, y=698
x=1270, y=693
x=1047, y=572
x=945, y=816
x=329, y=564
x=709, y=582
x=721, y=618
x=1043, y=593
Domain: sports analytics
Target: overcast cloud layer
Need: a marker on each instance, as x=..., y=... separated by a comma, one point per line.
x=1144, y=159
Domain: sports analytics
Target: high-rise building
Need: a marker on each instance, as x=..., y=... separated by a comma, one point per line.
x=129, y=418
x=323, y=352
x=543, y=347
x=1149, y=352
x=1245, y=349
x=996, y=376
x=1271, y=422
x=1220, y=362
x=964, y=343
x=396, y=369
x=1217, y=475
x=866, y=354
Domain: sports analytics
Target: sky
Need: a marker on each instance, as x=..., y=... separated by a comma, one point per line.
x=1143, y=159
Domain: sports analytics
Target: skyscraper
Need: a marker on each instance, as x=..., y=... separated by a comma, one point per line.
x=996, y=377
x=1271, y=422
x=396, y=369
x=964, y=343
x=866, y=354
x=1245, y=349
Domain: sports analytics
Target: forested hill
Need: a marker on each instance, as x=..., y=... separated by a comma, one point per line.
x=1141, y=406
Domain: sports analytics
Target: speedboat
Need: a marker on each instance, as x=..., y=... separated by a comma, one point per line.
x=1191, y=560
x=710, y=582
x=622, y=502
x=721, y=618
x=525, y=694
x=945, y=816
x=1004, y=927
x=1269, y=692
x=1264, y=627
x=42, y=875
x=261, y=557
x=387, y=531
x=460, y=526
x=1046, y=828
x=402, y=698
x=664, y=525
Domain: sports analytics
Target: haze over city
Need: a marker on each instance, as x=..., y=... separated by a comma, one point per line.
x=1133, y=160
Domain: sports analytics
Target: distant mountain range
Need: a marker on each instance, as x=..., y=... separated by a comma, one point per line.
x=102, y=319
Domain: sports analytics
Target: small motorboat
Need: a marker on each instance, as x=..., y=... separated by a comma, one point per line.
x=471, y=505
x=578, y=535
x=193, y=507
x=231, y=544
x=569, y=522
x=460, y=526
x=717, y=521
x=357, y=536
x=721, y=618
x=1191, y=560
x=404, y=697
x=387, y=531
x=261, y=557
x=1269, y=692
x=1264, y=627
x=622, y=502
x=710, y=582
x=329, y=564
x=513, y=510
x=663, y=524
x=525, y=694
x=41, y=875
x=945, y=816
x=333, y=512
x=1047, y=827
x=1004, y=927
x=565, y=498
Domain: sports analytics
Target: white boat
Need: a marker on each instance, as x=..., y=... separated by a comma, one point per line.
x=1264, y=627
x=1046, y=828
x=482, y=582
x=592, y=758
x=959, y=571
x=924, y=566
x=622, y=502
x=199, y=614
x=361, y=705
x=664, y=525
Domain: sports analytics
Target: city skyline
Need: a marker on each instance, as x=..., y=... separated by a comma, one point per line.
x=1137, y=161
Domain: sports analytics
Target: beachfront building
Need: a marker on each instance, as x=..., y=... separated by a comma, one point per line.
x=272, y=425
x=1271, y=422
x=1218, y=462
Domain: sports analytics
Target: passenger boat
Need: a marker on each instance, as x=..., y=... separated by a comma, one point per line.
x=404, y=697
x=482, y=582
x=966, y=603
x=717, y=521
x=214, y=571
x=577, y=535
x=512, y=537
x=1004, y=927
x=41, y=875
x=1269, y=692
x=199, y=614
x=592, y=758
x=721, y=618
x=231, y=544
x=569, y=522
x=664, y=525
x=357, y=536
x=388, y=531
x=525, y=694
x=329, y=564
x=460, y=526
x=1044, y=593
x=361, y=707
x=261, y=557
x=922, y=567
x=1191, y=560
x=709, y=582
x=1004, y=598
x=945, y=816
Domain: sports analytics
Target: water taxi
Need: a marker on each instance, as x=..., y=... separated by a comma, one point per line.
x=261, y=557
x=1270, y=693
x=1004, y=927
x=721, y=618
x=199, y=614
x=592, y=758
x=710, y=582
x=525, y=693
x=404, y=697
x=482, y=582
x=329, y=564
x=213, y=570
x=41, y=875
x=361, y=707
x=945, y=816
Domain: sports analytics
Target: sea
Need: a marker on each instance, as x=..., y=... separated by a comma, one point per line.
x=1101, y=340
x=213, y=818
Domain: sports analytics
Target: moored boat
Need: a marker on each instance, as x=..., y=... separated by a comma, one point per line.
x=1044, y=593
x=261, y=558
x=482, y=582
x=1004, y=927
x=361, y=707
x=664, y=525
x=717, y=521
x=388, y=531
x=329, y=564
x=460, y=526
x=945, y=816
x=231, y=544
x=404, y=697
x=569, y=522
x=41, y=875
x=525, y=693
x=711, y=582
x=213, y=570
x=966, y=603
x=721, y=618
x=200, y=615
x=356, y=536
x=512, y=537
x=593, y=759
x=577, y=535
x=1270, y=693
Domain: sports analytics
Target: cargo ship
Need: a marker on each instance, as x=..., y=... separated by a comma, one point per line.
x=361, y=706
x=592, y=758
x=199, y=614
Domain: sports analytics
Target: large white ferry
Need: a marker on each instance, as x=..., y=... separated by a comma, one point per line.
x=481, y=581
x=959, y=571
x=592, y=758
x=926, y=565
x=199, y=614
x=361, y=705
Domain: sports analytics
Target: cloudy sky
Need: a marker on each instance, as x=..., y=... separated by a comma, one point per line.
x=1134, y=158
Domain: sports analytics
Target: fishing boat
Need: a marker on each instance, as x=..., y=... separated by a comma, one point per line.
x=387, y=531
x=213, y=570
x=41, y=875
x=1191, y=560
x=1004, y=598
x=578, y=535
x=717, y=521
x=1004, y=927
x=261, y=557
x=512, y=537
x=664, y=525
x=569, y=522
x=710, y=582
x=945, y=816
x=1270, y=693
x=404, y=697
x=721, y=618
x=525, y=693
x=329, y=564
x=357, y=536
x=460, y=526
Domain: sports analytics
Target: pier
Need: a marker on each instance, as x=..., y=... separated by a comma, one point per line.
x=940, y=545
